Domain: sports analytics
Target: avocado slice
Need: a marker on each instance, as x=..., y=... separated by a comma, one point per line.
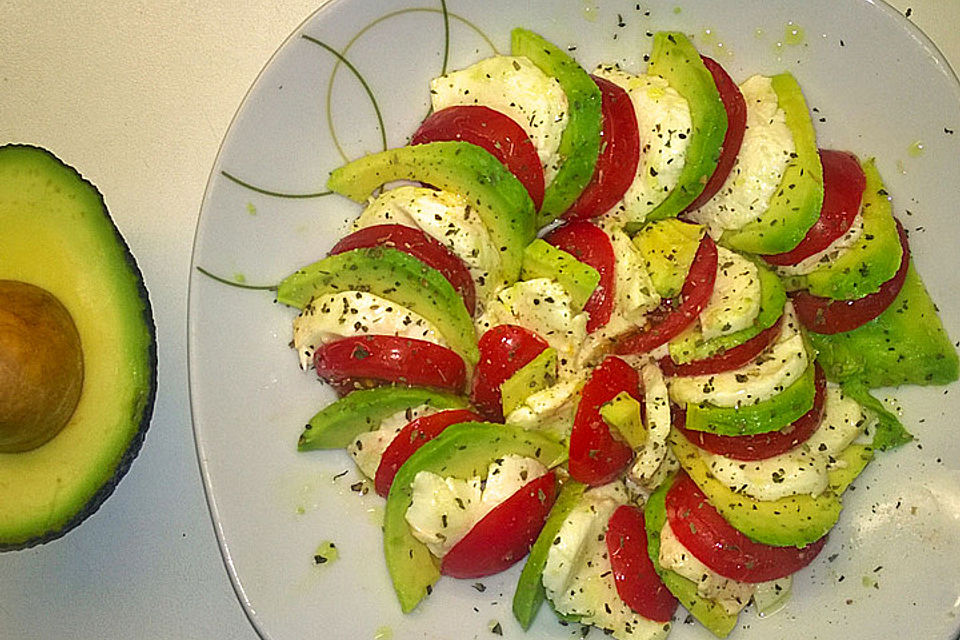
x=463, y=450
x=500, y=199
x=874, y=259
x=709, y=613
x=580, y=141
x=543, y=260
x=675, y=59
x=768, y=415
x=56, y=234
x=338, y=424
x=624, y=416
x=393, y=275
x=668, y=248
x=795, y=206
x=690, y=345
x=793, y=521
x=906, y=344
x=530, y=593
x=533, y=377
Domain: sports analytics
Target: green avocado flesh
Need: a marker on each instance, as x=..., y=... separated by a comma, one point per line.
x=906, y=344
x=690, y=345
x=56, y=233
x=794, y=521
x=795, y=206
x=530, y=593
x=543, y=260
x=394, y=275
x=463, y=450
x=709, y=613
x=768, y=415
x=675, y=59
x=501, y=200
x=336, y=425
x=668, y=248
x=580, y=140
x=533, y=377
x=874, y=259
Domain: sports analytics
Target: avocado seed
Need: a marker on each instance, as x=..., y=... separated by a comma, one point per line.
x=41, y=366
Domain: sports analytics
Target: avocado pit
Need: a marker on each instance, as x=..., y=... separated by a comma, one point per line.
x=41, y=366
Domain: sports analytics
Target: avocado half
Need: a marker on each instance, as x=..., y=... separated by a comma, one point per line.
x=56, y=234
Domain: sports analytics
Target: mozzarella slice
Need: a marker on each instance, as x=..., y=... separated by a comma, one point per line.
x=356, y=313
x=368, y=447
x=649, y=466
x=735, y=301
x=836, y=248
x=516, y=87
x=764, y=155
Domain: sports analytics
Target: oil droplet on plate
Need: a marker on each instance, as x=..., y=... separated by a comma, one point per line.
x=239, y=277
x=383, y=633
x=915, y=150
x=326, y=553
x=793, y=34
x=590, y=10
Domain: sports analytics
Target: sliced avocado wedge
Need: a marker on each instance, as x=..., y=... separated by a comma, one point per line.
x=580, y=141
x=668, y=248
x=906, y=344
x=57, y=235
x=874, y=259
x=500, y=199
x=463, y=450
x=338, y=424
x=675, y=59
x=394, y=275
x=690, y=345
x=537, y=375
x=762, y=417
x=709, y=613
x=530, y=593
x=543, y=260
x=795, y=521
x=624, y=416
x=889, y=432
x=795, y=206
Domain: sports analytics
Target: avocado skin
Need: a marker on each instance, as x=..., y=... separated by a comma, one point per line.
x=143, y=409
x=906, y=344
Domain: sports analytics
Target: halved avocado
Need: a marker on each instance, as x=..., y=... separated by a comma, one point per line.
x=56, y=235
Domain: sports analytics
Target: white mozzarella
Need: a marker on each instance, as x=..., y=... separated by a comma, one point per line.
x=516, y=87
x=649, y=465
x=829, y=255
x=735, y=301
x=368, y=447
x=344, y=314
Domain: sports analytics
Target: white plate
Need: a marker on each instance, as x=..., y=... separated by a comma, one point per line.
x=877, y=86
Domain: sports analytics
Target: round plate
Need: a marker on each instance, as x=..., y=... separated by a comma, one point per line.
x=353, y=80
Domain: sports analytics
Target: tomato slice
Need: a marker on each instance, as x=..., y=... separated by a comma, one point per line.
x=596, y=455
x=504, y=350
x=825, y=315
x=591, y=245
x=736, y=108
x=505, y=534
x=669, y=321
x=728, y=360
x=419, y=245
x=369, y=361
x=497, y=133
x=715, y=543
x=843, y=185
x=637, y=582
x=413, y=436
x=619, y=154
x=761, y=445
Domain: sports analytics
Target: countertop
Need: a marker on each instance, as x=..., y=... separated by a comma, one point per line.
x=138, y=96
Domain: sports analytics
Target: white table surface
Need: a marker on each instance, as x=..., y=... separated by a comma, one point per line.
x=138, y=94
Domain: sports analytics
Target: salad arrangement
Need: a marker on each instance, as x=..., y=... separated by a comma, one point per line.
x=621, y=325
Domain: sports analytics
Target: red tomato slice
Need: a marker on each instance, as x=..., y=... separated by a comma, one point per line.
x=596, y=455
x=413, y=436
x=728, y=360
x=504, y=350
x=825, y=315
x=419, y=245
x=843, y=185
x=619, y=154
x=669, y=321
x=715, y=543
x=505, y=534
x=497, y=133
x=638, y=584
x=591, y=245
x=762, y=445
x=736, y=108
x=369, y=361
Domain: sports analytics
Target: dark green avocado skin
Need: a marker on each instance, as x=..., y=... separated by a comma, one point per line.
x=147, y=399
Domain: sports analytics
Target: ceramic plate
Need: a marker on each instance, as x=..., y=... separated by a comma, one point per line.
x=354, y=79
